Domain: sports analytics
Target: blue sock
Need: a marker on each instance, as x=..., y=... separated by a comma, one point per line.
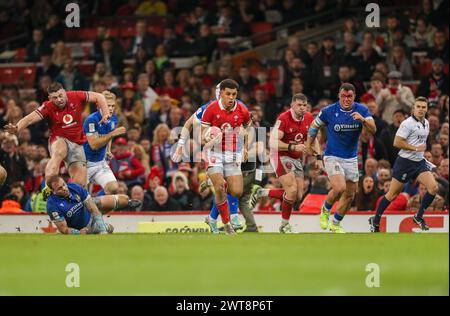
x=384, y=203
x=426, y=201
x=327, y=206
x=337, y=218
x=233, y=204
x=101, y=193
x=214, y=214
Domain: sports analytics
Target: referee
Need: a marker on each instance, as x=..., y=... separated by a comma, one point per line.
x=411, y=139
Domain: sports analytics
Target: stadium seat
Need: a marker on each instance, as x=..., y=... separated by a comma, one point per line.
x=20, y=55
x=29, y=74
x=129, y=31
x=258, y=28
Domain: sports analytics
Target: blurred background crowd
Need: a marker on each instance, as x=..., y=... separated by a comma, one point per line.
x=163, y=59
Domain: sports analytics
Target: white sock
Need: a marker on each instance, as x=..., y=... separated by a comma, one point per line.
x=212, y=219
x=284, y=222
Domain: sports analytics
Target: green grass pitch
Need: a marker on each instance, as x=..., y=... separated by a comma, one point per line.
x=203, y=264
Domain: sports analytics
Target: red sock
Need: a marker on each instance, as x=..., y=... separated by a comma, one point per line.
x=224, y=211
x=286, y=208
x=276, y=193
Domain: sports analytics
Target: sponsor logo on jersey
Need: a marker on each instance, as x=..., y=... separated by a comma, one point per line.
x=299, y=137
x=346, y=127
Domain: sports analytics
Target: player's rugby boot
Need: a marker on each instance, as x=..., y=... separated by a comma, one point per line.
x=286, y=229
x=374, y=228
x=228, y=228
x=324, y=217
x=336, y=228
x=212, y=225
x=255, y=194
x=421, y=223
x=236, y=223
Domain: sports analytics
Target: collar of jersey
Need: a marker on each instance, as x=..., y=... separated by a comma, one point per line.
x=415, y=118
x=222, y=107
x=342, y=110
x=293, y=117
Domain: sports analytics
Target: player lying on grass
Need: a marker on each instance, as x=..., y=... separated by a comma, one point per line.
x=75, y=212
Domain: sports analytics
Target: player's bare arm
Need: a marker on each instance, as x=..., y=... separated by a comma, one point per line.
x=400, y=143
x=97, y=141
x=66, y=230
x=102, y=105
x=184, y=136
x=276, y=143
x=369, y=124
x=313, y=131
x=28, y=120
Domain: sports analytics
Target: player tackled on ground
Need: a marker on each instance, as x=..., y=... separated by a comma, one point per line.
x=344, y=121
x=224, y=161
x=64, y=114
x=411, y=139
x=74, y=212
x=287, y=145
x=98, y=146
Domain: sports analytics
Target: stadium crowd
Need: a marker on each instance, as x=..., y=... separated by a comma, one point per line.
x=154, y=97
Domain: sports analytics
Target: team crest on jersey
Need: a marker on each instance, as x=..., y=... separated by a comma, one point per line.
x=67, y=119
x=77, y=197
x=298, y=137
x=236, y=117
x=113, y=125
x=217, y=116
x=91, y=127
x=290, y=129
x=225, y=126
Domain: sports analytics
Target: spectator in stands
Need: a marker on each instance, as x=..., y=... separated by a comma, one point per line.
x=111, y=56
x=435, y=84
x=437, y=154
x=37, y=47
x=424, y=34
x=151, y=71
x=71, y=78
x=131, y=106
x=154, y=179
x=161, y=115
x=367, y=57
x=441, y=177
x=143, y=39
x=54, y=29
x=440, y=47
x=160, y=153
x=366, y=197
x=369, y=147
x=325, y=67
x=144, y=158
x=138, y=193
x=295, y=69
x=258, y=116
x=125, y=166
x=373, y=110
x=383, y=175
x=443, y=140
x=398, y=61
x=146, y=93
x=349, y=49
x=229, y=23
x=13, y=162
x=398, y=204
x=415, y=201
x=203, y=200
x=161, y=59
x=175, y=118
x=249, y=13
x=433, y=120
x=370, y=167
x=162, y=201
x=182, y=193
x=392, y=24
x=345, y=76
x=246, y=81
x=312, y=50
x=169, y=86
x=47, y=68
x=200, y=73
x=399, y=97
x=151, y=8
x=388, y=134
x=10, y=205
x=18, y=190
x=60, y=54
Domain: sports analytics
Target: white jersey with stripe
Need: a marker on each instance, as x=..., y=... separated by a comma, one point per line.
x=415, y=133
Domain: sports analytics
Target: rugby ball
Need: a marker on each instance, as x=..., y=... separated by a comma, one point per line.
x=212, y=132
